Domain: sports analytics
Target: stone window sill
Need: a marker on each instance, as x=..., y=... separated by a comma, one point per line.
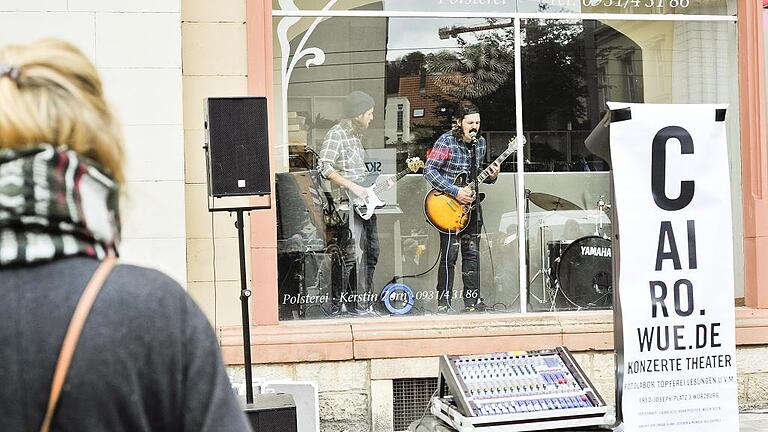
x=382, y=338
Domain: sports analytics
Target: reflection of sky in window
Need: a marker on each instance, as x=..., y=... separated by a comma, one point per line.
x=420, y=34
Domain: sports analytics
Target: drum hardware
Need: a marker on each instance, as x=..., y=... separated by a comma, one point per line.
x=544, y=271
x=574, y=273
x=554, y=252
x=551, y=202
x=602, y=208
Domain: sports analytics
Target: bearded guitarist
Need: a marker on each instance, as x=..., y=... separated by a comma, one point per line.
x=451, y=155
x=342, y=161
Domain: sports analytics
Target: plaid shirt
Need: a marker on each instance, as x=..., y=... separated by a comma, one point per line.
x=343, y=152
x=449, y=158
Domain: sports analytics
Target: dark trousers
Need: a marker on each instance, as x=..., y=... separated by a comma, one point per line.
x=468, y=241
x=361, y=254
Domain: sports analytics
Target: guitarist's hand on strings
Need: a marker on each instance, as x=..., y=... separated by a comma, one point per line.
x=465, y=196
x=493, y=170
x=358, y=190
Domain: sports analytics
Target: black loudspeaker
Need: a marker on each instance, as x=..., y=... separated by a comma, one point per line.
x=272, y=412
x=237, y=146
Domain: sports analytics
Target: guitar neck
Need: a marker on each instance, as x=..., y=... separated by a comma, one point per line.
x=384, y=185
x=502, y=157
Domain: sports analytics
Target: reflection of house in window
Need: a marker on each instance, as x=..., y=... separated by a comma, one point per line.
x=619, y=67
x=414, y=111
x=420, y=90
x=397, y=128
x=613, y=66
x=418, y=95
x=602, y=86
x=657, y=70
x=630, y=81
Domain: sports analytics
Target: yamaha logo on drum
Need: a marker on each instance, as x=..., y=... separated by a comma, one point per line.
x=596, y=251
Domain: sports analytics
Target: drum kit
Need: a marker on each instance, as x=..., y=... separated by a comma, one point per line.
x=576, y=255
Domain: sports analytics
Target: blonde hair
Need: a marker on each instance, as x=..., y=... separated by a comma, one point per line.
x=57, y=98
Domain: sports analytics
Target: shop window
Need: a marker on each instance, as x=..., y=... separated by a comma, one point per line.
x=416, y=72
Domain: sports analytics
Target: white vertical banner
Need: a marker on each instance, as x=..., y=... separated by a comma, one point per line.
x=675, y=286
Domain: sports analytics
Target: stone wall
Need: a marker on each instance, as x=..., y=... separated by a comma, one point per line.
x=214, y=59
x=136, y=47
x=356, y=396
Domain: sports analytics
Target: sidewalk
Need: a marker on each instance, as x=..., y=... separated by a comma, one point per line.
x=754, y=421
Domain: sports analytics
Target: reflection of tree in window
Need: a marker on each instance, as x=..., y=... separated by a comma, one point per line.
x=553, y=79
x=570, y=69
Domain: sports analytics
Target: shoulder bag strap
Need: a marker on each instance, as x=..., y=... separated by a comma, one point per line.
x=76, y=324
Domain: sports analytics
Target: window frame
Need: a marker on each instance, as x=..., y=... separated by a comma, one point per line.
x=297, y=341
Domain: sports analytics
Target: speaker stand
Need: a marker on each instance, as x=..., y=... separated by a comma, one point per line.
x=245, y=293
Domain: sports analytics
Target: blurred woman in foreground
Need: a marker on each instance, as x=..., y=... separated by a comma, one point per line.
x=147, y=358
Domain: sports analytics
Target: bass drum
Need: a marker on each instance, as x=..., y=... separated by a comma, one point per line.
x=584, y=275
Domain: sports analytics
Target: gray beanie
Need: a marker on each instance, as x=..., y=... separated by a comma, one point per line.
x=357, y=103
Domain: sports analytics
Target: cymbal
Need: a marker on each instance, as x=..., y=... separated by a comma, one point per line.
x=552, y=202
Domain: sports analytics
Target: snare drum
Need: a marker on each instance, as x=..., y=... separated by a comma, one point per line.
x=584, y=274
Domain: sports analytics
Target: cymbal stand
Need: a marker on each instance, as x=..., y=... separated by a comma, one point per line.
x=601, y=208
x=528, y=277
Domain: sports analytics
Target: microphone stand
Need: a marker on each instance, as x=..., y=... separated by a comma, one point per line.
x=473, y=173
x=528, y=249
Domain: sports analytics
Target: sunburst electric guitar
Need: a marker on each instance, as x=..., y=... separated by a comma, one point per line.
x=366, y=206
x=445, y=213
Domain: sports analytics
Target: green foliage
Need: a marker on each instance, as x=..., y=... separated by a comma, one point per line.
x=483, y=72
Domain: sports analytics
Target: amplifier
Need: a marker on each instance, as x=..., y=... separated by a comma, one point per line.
x=517, y=391
x=272, y=412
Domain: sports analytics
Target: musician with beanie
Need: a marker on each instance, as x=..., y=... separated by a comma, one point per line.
x=342, y=161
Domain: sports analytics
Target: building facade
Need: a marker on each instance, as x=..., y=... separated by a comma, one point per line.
x=416, y=60
x=573, y=58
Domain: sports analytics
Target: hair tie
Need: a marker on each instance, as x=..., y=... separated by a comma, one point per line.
x=11, y=72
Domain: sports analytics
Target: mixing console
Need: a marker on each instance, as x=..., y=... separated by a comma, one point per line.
x=517, y=391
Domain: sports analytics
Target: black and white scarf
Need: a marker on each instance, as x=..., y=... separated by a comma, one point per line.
x=55, y=203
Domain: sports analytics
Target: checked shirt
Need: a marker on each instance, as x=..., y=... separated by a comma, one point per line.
x=448, y=158
x=342, y=152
